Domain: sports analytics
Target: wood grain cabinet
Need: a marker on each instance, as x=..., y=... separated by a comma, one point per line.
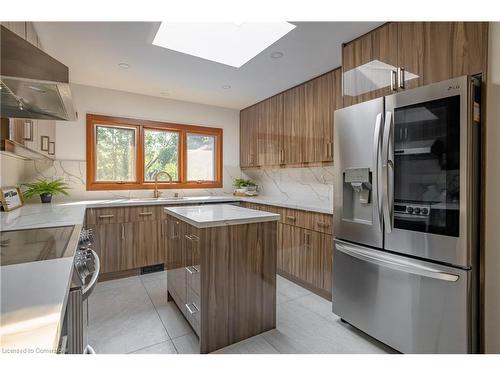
x=403, y=55
x=249, y=125
x=128, y=238
x=270, y=127
x=305, y=247
x=293, y=128
x=369, y=64
x=223, y=279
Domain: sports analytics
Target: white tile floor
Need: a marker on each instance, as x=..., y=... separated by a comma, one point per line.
x=132, y=315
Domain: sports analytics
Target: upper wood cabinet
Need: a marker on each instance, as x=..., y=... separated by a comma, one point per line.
x=269, y=130
x=404, y=55
x=435, y=51
x=249, y=125
x=368, y=64
x=294, y=127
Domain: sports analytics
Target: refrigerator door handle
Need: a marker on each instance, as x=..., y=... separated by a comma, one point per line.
x=388, y=261
x=386, y=176
x=376, y=173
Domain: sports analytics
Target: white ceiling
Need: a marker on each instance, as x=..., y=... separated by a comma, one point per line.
x=93, y=50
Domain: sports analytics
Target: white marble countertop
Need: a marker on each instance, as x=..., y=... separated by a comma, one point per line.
x=34, y=296
x=37, y=215
x=216, y=215
x=327, y=208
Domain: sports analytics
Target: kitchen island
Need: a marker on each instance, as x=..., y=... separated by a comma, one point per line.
x=221, y=270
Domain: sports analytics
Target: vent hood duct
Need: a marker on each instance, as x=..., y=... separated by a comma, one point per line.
x=32, y=83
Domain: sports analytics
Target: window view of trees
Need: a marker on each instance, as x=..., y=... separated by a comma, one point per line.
x=200, y=157
x=115, y=154
x=161, y=153
x=127, y=154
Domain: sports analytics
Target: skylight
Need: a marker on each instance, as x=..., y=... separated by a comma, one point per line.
x=231, y=44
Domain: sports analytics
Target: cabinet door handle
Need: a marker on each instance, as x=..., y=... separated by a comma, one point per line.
x=322, y=224
x=191, y=237
x=401, y=78
x=394, y=78
x=292, y=218
x=149, y=213
x=192, y=270
x=106, y=216
x=192, y=310
x=307, y=237
x=123, y=232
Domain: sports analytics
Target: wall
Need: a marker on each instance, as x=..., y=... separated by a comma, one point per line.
x=12, y=169
x=492, y=224
x=70, y=137
x=311, y=186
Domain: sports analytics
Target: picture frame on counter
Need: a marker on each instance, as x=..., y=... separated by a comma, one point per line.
x=44, y=143
x=11, y=198
x=52, y=148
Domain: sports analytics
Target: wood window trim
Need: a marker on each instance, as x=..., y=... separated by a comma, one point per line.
x=140, y=125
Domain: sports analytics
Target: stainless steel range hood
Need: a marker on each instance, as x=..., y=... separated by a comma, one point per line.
x=32, y=83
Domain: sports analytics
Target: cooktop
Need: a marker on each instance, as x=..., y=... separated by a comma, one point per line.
x=31, y=245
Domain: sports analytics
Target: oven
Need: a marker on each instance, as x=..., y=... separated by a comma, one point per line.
x=86, y=270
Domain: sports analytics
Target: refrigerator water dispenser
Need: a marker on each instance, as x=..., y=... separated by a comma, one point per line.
x=357, y=194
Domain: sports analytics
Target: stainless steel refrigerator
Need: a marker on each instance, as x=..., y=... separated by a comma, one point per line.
x=406, y=217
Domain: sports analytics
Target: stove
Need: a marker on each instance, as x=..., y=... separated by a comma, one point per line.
x=32, y=245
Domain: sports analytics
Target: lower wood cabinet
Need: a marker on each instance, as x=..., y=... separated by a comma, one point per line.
x=114, y=245
x=306, y=256
x=128, y=238
x=305, y=247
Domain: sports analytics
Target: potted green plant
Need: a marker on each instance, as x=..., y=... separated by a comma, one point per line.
x=46, y=189
x=242, y=185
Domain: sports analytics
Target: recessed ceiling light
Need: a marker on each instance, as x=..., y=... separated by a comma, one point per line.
x=124, y=65
x=226, y=43
x=226, y=87
x=277, y=55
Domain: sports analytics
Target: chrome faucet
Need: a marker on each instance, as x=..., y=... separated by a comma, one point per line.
x=156, y=192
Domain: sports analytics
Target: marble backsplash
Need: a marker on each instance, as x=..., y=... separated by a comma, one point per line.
x=73, y=172
x=310, y=185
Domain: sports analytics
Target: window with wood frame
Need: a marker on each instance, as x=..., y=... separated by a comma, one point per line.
x=128, y=154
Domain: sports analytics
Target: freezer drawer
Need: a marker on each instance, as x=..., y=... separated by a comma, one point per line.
x=410, y=305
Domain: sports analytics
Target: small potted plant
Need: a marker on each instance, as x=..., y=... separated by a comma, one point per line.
x=244, y=186
x=46, y=189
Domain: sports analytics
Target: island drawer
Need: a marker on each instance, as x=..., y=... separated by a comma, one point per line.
x=193, y=278
x=193, y=309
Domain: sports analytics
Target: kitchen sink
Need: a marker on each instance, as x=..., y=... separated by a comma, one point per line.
x=160, y=199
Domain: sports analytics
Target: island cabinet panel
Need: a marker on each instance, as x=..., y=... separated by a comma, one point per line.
x=223, y=279
x=238, y=283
